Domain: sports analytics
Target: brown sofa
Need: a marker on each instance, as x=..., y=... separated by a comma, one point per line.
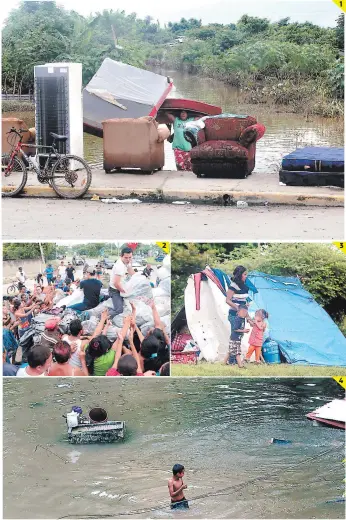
x=134, y=144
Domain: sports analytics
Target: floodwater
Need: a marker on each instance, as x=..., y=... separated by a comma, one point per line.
x=218, y=428
x=285, y=131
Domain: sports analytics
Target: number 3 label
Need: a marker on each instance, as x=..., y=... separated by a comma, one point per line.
x=341, y=245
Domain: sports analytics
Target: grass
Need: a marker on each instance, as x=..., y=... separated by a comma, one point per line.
x=252, y=370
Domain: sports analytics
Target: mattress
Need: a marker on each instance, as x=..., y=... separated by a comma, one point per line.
x=315, y=159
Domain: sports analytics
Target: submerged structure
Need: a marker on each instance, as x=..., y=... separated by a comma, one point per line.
x=93, y=429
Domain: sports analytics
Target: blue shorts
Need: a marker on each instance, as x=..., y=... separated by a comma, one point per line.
x=180, y=504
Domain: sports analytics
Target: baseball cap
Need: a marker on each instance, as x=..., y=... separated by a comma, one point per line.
x=91, y=270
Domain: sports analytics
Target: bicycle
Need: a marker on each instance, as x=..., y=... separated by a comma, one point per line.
x=68, y=175
x=13, y=288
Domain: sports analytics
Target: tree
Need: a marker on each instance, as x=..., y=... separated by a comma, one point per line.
x=252, y=24
x=284, y=21
x=184, y=25
x=22, y=251
x=320, y=267
x=340, y=32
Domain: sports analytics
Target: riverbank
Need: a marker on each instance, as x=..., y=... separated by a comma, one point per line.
x=308, y=97
x=251, y=370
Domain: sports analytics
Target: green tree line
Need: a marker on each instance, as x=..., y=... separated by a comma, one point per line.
x=320, y=267
x=26, y=251
x=288, y=63
x=22, y=251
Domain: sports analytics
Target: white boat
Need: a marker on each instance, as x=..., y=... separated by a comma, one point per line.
x=331, y=414
x=209, y=326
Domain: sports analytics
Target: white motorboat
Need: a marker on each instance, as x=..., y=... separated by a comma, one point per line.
x=331, y=414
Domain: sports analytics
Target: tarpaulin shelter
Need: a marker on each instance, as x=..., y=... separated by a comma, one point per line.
x=305, y=333
x=303, y=330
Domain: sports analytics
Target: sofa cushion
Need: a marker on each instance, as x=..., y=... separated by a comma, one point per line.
x=227, y=127
x=219, y=150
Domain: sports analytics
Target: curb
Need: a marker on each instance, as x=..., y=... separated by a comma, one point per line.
x=219, y=197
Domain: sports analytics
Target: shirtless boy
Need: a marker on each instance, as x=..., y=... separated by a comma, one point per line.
x=176, y=488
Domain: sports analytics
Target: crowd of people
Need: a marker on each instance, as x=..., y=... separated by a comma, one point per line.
x=63, y=347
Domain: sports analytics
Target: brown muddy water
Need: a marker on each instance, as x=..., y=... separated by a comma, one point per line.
x=285, y=131
x=219, y=428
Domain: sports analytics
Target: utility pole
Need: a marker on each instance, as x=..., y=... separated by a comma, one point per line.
x=42, y=254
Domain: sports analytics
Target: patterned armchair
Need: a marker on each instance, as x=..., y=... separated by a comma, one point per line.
x=225, y=147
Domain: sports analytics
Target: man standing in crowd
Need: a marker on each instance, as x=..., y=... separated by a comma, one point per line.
x=70, y=271
x=49, y=272
x=21, y=277
x=121, y=272
x=92, y=289
x=147, y=270
x=62, y=270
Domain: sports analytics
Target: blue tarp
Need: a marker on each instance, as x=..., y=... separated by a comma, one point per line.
x=305, y=333
x=317, y=158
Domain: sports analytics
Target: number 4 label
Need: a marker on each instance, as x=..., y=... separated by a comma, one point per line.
x=341, y=380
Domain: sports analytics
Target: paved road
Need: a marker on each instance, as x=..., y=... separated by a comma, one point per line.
x=48, y=219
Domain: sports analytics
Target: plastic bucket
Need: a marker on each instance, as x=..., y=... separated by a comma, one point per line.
x=98, y=415
x=271, y=352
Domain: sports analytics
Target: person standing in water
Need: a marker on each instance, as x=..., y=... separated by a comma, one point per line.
x=180, y=145
x=176, y=488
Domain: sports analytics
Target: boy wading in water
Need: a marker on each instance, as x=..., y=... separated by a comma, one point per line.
x=176, y=488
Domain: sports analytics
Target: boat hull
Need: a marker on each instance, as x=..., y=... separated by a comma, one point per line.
x=327, y=422
x=331, y=414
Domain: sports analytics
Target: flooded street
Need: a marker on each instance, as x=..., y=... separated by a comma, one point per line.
x=285, y=132
x=218, y=428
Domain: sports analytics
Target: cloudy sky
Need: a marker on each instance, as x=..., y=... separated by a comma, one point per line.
x=320, y=12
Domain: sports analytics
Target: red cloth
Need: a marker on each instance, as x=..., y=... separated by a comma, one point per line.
x=184, y=358
x=114, y=372
x=182, y=160
x=180, y=341
x=51, y=323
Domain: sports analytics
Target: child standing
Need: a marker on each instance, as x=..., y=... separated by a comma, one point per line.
x=176, y=488
x=256, y=336
x=238, y=330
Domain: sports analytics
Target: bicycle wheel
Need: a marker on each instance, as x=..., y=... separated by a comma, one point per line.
x=11, y=289
x=71, y=177
x=14, y=176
